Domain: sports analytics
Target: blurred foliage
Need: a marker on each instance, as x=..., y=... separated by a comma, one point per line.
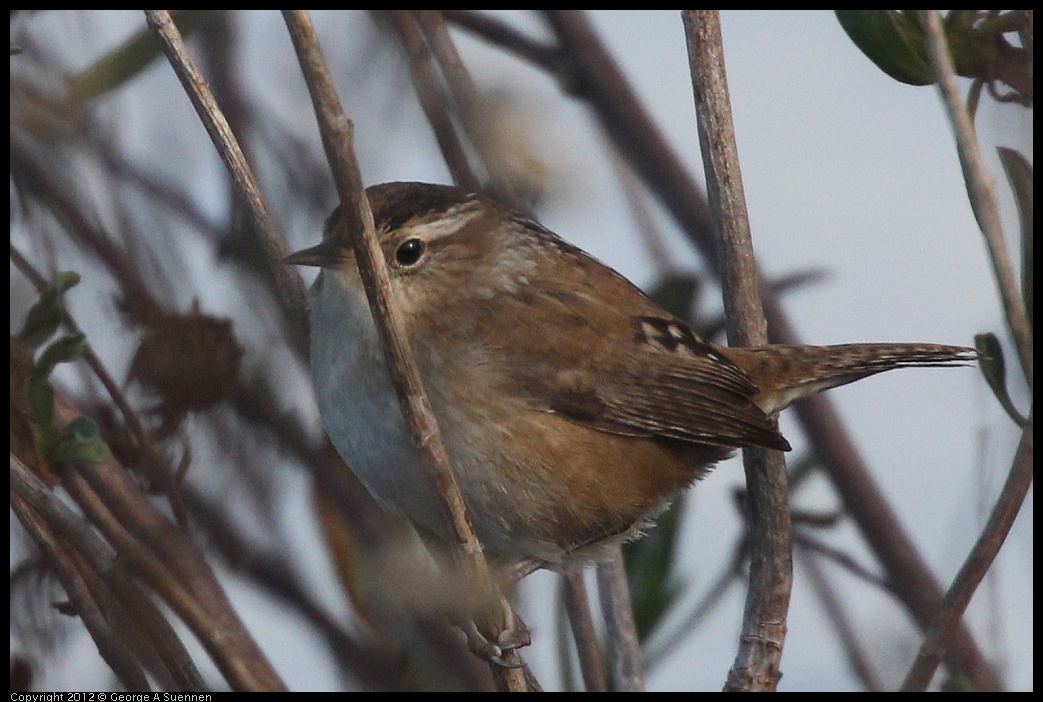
x=655, y=583
x=130, y=59
x=80, y=440
x=190, y=362
x=978, y=41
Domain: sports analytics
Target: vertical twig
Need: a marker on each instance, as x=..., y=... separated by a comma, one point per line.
x=980, y=188
x=628, y=672
x=577, y=606
x=468, y=104
x=433, y=100
x=756, y=665
x=337, y=138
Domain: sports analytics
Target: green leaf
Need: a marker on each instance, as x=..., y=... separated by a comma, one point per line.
x=67, y=348
x=1019, y=175
x=650, y=564
x=41, y=401
x=972, y=51
x=41, y=408
x=890, y=39
x=42, y=322
x=960, y=21
x=801, y=467
x=81, y=441
x=676, y=293
x=130, y=59
x=44, y=317
x=994, y=369
x=66, y=280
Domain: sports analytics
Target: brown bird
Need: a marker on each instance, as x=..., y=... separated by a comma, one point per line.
x=572, y=406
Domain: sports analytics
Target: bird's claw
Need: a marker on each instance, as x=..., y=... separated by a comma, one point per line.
x=510, y=639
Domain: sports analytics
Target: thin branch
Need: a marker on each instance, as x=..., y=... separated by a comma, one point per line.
x=844, y=560
x=757, y=663
x=501, y=170
x=337, y=136
x=494, y=31
x=288, y=282
x=164, y=557
x=628, y=672
x=54, y=528
x=641, y=211
x=457, y=77
x=980, y=188
x=978, y=562
x=577, y=606
x=432, y=98
x=59, y=197
x=698, y=613
x=591, y=75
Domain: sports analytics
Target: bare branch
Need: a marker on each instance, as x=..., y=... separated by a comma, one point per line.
x=227, y=146
x=577, y=606
x=757, y=664
x=53, y=528
x=337, y=135
x=624, y=646
x=433, y=100
x=947, y=619
x=841, y=622
x=981, y=189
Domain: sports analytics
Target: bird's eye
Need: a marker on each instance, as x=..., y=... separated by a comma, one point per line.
x=409, y=252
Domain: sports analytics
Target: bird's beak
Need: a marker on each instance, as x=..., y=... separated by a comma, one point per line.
x=328, y=254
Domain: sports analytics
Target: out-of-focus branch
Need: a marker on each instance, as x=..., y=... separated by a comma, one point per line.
x=499, y=33
x=47, y=187
x=593, y=76
x=164, y=557
x=288, y=282
x=841, y=622
x=947, y=619
x=434, y=102
x=56, y=531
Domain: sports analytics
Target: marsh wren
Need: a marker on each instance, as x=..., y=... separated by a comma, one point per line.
x=572, y=406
